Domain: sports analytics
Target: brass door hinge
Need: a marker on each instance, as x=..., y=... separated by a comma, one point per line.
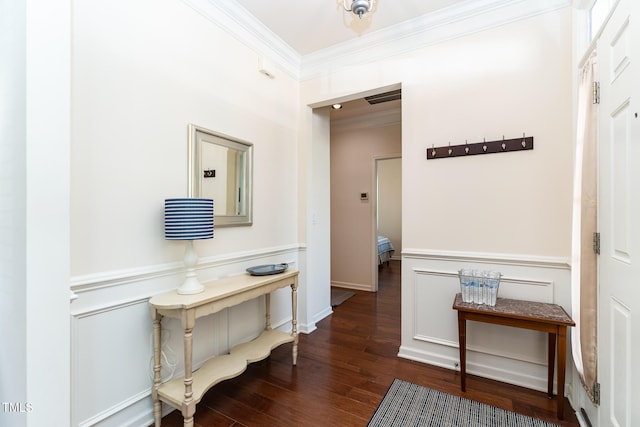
x=596, y=393
x=596, y=92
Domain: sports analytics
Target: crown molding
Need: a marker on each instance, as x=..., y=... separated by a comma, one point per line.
x=446, y=24
x=459, y=20
x=242, y=25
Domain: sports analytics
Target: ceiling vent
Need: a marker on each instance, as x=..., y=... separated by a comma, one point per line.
x=384, y=97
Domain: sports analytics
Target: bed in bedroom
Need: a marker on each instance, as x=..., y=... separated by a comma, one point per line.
x=385, y=250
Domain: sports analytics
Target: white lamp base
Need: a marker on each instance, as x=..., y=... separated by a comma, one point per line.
x=191, y=284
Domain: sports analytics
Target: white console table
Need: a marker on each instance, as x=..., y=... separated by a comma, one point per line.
x=184, y=393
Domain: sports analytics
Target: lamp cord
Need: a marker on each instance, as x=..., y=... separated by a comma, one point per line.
x=168, y=361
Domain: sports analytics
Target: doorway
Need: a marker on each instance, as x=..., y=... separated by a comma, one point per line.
x=362, y=131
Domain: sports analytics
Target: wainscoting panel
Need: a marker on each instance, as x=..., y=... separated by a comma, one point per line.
x=111, y=341
x=621, y=368
x=481, y=337
x=435, y=323
x=107, y=344
x=429, y=324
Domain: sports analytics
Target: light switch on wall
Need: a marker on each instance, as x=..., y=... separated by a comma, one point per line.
x=364, y=196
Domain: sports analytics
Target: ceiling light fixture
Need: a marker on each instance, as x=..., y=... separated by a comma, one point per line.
x=336, y=106
x=359, y=7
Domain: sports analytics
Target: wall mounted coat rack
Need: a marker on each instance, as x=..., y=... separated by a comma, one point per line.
x=485, y=147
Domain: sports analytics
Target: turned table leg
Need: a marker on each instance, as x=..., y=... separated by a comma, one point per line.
x=188, y=405
x=294, y=320
x=267, y=316
x=157, y=366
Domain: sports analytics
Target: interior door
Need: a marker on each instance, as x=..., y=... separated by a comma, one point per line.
x=619, y=210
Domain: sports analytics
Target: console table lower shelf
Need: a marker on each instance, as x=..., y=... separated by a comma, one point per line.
x=186, y=392
x=223, y=367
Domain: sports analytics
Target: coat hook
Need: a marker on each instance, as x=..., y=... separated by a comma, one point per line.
x=433, y=151
x=466, y=147
x=450, y=150
x=524, y=142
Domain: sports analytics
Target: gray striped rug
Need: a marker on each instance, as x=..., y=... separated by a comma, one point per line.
x=407, y=404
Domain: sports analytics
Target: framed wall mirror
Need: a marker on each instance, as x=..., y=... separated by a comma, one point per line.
x=221, y=168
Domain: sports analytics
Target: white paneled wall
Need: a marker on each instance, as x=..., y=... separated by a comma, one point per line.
x=104, y=380
x=111, y=330
x=486, y=212
x=430, y=325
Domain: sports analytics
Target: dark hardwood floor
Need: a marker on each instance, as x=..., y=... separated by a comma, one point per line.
x=344, y=369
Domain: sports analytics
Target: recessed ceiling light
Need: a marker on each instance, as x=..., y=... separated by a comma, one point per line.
x=336, y=106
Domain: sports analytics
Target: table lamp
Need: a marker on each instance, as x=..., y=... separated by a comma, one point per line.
x=189, y=219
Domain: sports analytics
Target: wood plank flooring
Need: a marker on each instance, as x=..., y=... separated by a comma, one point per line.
x=344, y=369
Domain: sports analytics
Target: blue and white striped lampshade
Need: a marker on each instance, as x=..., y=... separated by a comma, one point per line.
x=188, y=219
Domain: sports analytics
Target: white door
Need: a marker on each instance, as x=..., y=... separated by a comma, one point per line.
x=619, y=219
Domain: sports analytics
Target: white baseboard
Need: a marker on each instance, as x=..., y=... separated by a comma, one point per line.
x=134, y=411
x=324, y=313
x=349, y=285
x=513, y=376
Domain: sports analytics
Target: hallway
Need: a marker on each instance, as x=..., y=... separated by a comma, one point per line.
x=344, y=369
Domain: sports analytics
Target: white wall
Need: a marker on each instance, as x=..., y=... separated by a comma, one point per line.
x=35, y=199
x=12, y=212
x=135, y=91
x=315, y=216
x=142, y=72
x=48, y=104
x=503, y=211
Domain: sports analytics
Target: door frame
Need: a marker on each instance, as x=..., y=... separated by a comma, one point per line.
x=374, y=214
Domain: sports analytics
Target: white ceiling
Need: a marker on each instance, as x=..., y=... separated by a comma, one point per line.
x=311, y=25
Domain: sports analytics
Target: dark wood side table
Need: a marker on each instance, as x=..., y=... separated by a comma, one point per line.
x=538, y=316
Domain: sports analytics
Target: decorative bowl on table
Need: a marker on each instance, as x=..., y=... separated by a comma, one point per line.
x=267, y=269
